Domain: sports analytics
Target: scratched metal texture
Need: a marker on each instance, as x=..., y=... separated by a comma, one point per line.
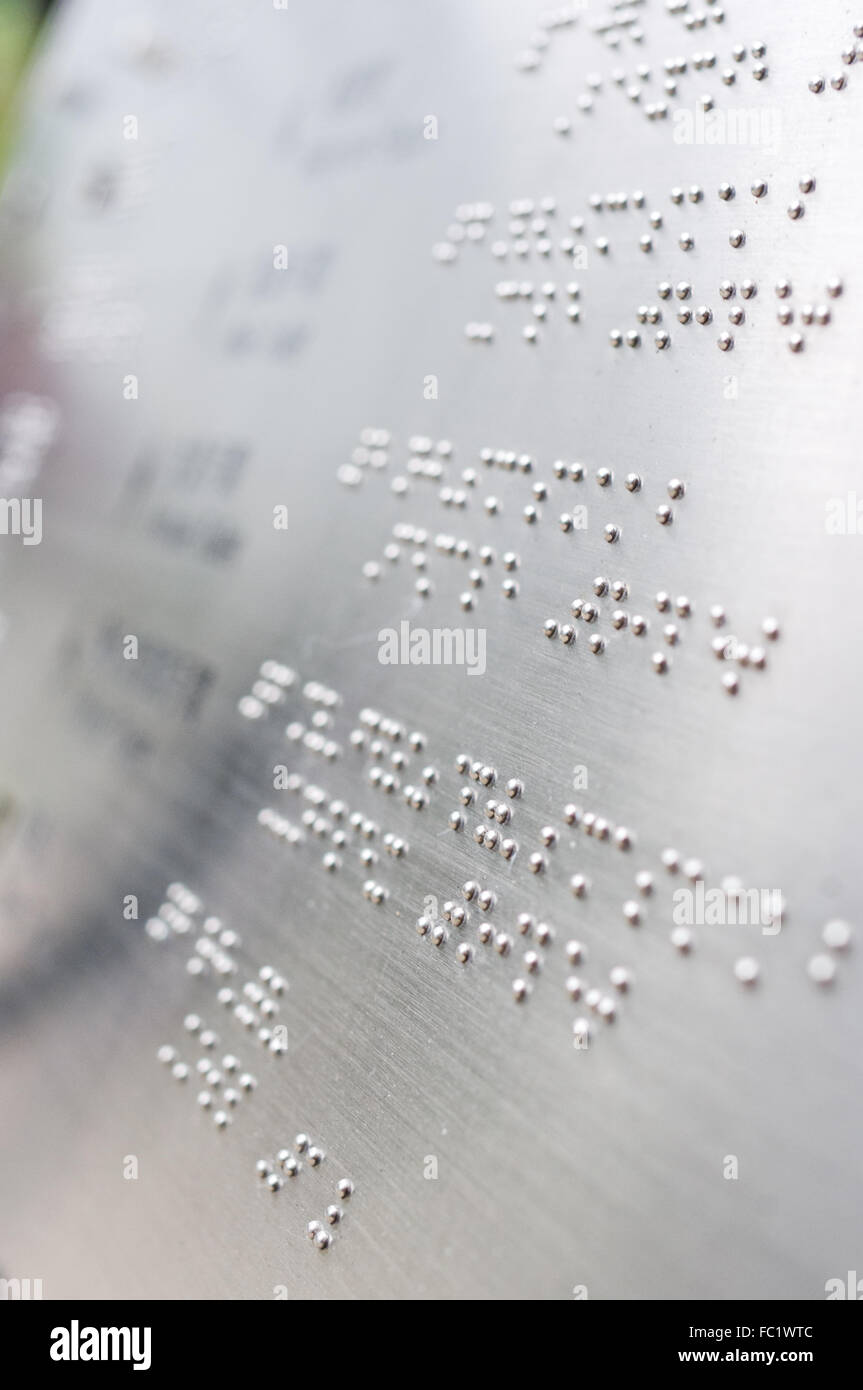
x=558, y=1168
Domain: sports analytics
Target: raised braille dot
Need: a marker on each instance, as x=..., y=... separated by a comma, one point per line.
x=725, y=342
x=836, y=934
x=611, y=533
x=821, y=969
x=726, y=191
x=579, y=885
x=737, y=315
x=796, y=210
x=581, y=1031
x=796, y=342
x=632, y=913
x=664, y=514
x=574, y=952
x=639, y=625
x=746, y=970
x=834, y=288
x=632, y=482
x=737, y=237
x=681, y=939
x=633, y=338
x=662, y=340
x=660, y=662
x=816, y=85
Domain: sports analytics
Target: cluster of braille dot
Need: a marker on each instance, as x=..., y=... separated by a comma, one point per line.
x=223, y=1085
x=639, y=87
x=289, y=1163
x=616, y=25
x=581, y=991
x=334, y=1215
x=313, y=740
x=806, y=314
x=538, y=937
x=508, y=461
x=836, y=936
x=496, y=809
x=532, y=219
x=548, y=24
x=852, y=53
x=426, y=462
x=727, y=648
x=255, y=1008
x=371, y=452
x=270, y=688
x=388, y=746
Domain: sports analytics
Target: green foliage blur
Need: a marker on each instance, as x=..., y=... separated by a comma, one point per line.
x=19, y=24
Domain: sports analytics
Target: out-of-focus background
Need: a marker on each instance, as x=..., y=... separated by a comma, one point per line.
x=19, y=26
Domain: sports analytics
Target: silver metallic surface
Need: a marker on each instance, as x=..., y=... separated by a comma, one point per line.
x=171, y=382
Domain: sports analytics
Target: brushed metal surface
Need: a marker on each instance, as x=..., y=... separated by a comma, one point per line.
x=559, y=1169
